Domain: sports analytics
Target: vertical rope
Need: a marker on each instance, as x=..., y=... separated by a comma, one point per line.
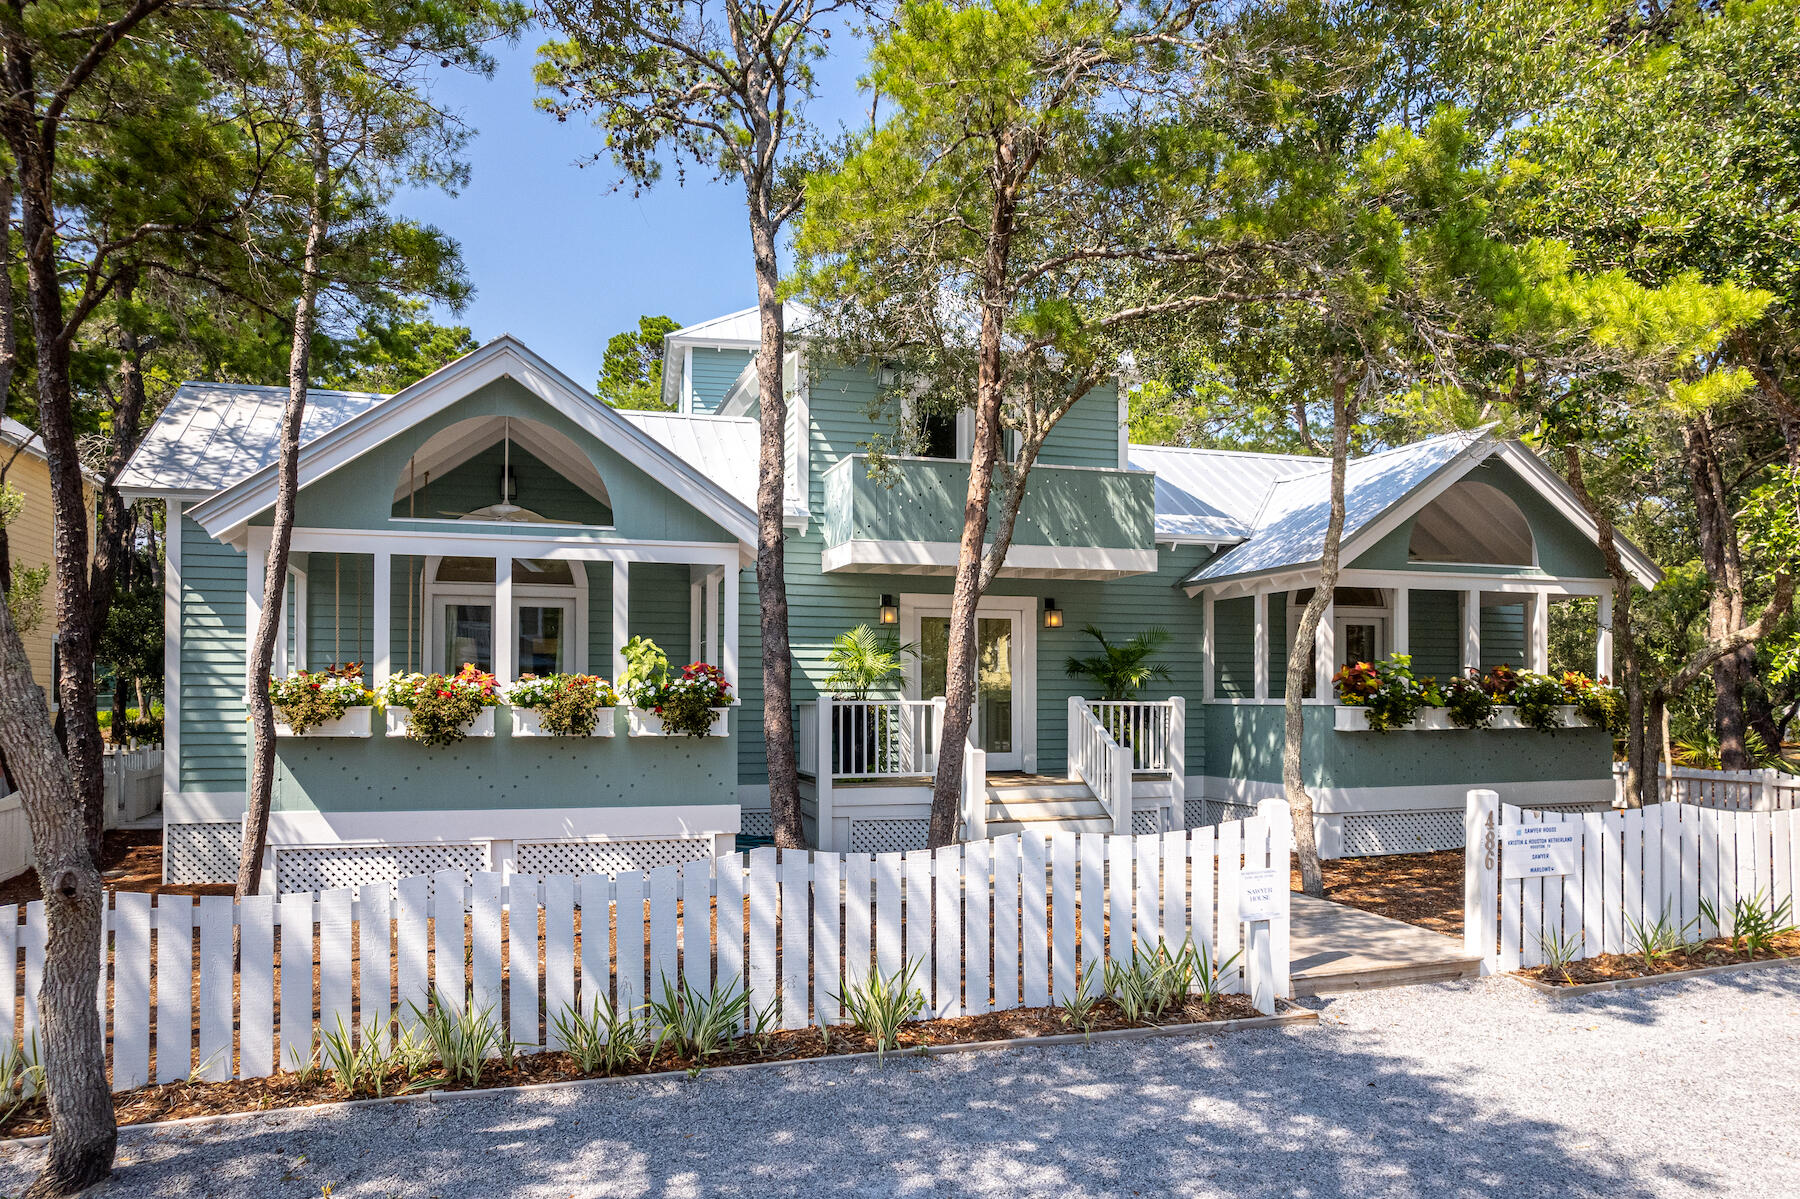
x=337, y=608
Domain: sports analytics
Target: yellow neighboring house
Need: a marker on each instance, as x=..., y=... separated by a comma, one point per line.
x=29, y=535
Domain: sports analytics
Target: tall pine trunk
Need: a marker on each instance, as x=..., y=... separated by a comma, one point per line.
x=82, y=1127
x=268, y=627
x=1300, y=655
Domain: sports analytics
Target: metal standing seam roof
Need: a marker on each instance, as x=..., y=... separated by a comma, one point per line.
x=1291, y=529
x=725, y=449
x=742, y=328
x=1211, y=495
x=212, y=435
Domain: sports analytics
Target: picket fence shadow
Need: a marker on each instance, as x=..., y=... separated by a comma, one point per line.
x=1631, y=869
x=990, y=925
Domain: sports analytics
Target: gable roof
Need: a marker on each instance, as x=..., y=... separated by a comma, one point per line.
x=1287, y=532
x=739, y=330
x=227, y=510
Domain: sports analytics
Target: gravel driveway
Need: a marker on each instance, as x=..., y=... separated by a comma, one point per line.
x=1449, y=1090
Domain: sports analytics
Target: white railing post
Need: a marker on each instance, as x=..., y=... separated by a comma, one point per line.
x=1121, y=773
x=1176, y=756
x=1481, y=878
x=826, y=773
x=974, y=792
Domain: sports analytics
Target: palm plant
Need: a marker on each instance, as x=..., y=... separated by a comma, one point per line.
x=861, y=660
x=1122, y=670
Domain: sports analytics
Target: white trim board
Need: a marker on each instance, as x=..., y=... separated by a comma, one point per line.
x=431, y=826
x=1434, y=797
x=224, y=514
x=1022, y=561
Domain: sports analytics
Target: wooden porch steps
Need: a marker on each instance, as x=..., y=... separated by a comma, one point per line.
x=1042, y=804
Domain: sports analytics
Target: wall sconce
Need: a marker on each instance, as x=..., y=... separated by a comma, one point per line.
x=890, y=611
x=1052, y=614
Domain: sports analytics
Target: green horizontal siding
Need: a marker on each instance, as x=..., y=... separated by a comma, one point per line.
x=659, y=608
x=714, y=372
x=1279, y=645
x=1502, y=635
x=1234, y=648
x=476, y=484
x=213, y=733
x=1089, y=434
x=340, y=610
x=1434, y=631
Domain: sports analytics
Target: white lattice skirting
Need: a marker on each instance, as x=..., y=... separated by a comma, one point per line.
x=609, y=857
x=201, y=852
x=753, y=823
x=888, y=836
x=325, y=867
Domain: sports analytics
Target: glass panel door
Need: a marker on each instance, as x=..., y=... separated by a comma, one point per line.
x=468, y=636
x=543, y=638
x=996, y=705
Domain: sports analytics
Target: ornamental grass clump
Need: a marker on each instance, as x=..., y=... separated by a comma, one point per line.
x=439, y=706
x=307, y=699
x=568, y=705
x=882, y=1004
x=1386, y=690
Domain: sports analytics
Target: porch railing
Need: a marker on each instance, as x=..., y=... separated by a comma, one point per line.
x=879, y=738
x=1728, y=790
x=1097, y=759
x=1146, y=727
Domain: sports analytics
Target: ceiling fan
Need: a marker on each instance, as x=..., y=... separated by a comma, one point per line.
x=506, y=510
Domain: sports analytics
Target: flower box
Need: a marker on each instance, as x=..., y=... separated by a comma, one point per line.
x=641, y=722
x=355, y=722
x=1353, y=719
x=528, y=722
x=481, y=726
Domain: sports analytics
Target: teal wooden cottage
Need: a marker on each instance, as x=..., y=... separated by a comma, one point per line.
x=496, y=512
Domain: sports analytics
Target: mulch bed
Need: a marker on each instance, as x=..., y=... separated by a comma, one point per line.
x=1425, y=889
x=131, y=860
x=179, y=1100
x=1607, y=967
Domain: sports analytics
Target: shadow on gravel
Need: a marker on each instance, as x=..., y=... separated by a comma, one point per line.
x=1640, y=1005
x=1265, y=1113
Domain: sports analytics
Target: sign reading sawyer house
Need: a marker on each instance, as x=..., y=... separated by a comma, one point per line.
x=1536, y=850
x=1258, y=898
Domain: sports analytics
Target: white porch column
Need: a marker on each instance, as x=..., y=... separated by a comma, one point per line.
x=696, y=610
x=1603, y=643
x=715, y=583
x=1471, y=629
x=1400, y=634
x=256, y=567
x=1259, y=669
x=621, y=615
x=1539, y=647
x=1208, y=655
x=729, y=661
x=506, y=639
x=1325, y=654
x=382, y=618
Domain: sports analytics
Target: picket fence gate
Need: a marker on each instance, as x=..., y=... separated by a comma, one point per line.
x=990, y=924
x=1631, y=868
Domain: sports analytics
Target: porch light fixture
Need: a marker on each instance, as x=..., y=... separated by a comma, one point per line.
x=1052, y=614
x=890, y=611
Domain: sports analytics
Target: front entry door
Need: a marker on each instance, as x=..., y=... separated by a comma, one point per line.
x=999, y=699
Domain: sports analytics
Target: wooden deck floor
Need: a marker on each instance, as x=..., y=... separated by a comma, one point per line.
x=1340, y=948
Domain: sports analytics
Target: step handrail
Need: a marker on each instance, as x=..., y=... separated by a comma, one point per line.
x=1099, y=761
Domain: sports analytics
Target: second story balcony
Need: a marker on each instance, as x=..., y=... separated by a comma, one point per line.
x=1075, y=523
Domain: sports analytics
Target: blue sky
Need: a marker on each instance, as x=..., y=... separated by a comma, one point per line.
x=561, y=260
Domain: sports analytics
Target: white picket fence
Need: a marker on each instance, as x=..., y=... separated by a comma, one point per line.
x=1732, y=790
x=15, y=836
x=987, y=925
x=1628, y=868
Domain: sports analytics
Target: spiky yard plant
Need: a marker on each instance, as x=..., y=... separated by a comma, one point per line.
x=464, y=1039
x=696, y=1025
x=1121, y=670
x=882, y=1004
x=603, y=1037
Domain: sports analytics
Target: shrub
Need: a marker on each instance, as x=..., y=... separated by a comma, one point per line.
x=1387, y=690
x=1596, y=701
x=21, y=1075
x=307, y=699
x=1469, y=705
x=568, y=704
x=1500, y=681
x=440, y=705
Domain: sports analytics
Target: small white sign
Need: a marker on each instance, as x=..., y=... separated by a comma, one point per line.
x=1259, y=894
x=1537, y=850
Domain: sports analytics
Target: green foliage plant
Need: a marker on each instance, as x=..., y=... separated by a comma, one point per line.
x=1467, y=702
x=862, y=659
x=1560, y=949
x=1538, y=699
x=696, y=1025
x=1655, y=939
x=1596, y=701
x=1121, y=670
x=366, y=1065
x=1153, y=981
x=880, y=1006
x=1758, y=921
x=569, y=705
x=646, y=666
x=685, y=703
x=1078, y=1006
x=21, y=1076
